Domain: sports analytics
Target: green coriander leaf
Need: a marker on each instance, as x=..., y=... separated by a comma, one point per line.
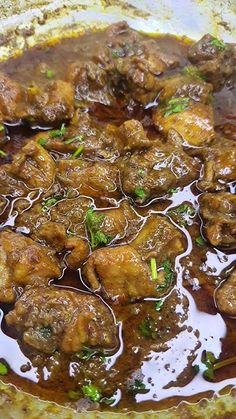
x=218, y=43
x=147, y=328
x=3, y=153
x=141, y=172
x=185, y=209
x=169, y=274
x=51, y=201
x=78, y=152
x=49, y=73
x=209, y=360
x=2, y=128
x=73, y=395
x=92, y=393
x=42, y=141
x=153, y=268
x=196, y=368
x=94, y=222
x=171, y=191
x=58, y=132
x=108, y=400
x=140, y=193
x=200, y=241
x=78, y=138
x=3, y=369
x=193, y=71
x=86, y=354
x=176, y=105
x=159, y=305
x=46, y=331
x=136, y=388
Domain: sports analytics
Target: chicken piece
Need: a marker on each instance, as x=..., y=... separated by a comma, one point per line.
x=79, y=252
x=50, y=319
x=219, y=215
x=100, y=180
x=153, y=172
x=24, y=262
x=219, y=165
x=194, y=121
x=52, y=234
x=52, y=104
x=213, y=58
x=12, y=100
x=120, y=275
x=9, y=185
x=34, y=166
x=225, y=296
x=187, y=86
x=71, y=213
x=134, y=136
x=159, y=238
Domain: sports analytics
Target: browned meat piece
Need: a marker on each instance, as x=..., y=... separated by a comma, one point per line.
x=119, y=274
x=48, y=319
x=151, y=173
x=187, y=86
x=79, y=251
x=133, y=136
x=219, y=214
x=99, y=180
x=24, y=262
x=193, y=121
x=53, y=234
x=12, y=100
x=219, y=165
x=225, y=296
x=52, y=104
x=159, y=239
x=34, y=166
x=213, y=58
x=9, y=185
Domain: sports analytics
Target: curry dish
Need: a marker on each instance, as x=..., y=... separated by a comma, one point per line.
x=118, y=220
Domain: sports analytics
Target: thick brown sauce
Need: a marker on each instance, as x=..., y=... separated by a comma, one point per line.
x=217, y=334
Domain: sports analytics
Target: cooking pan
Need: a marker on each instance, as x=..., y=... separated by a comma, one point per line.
x=24, y=24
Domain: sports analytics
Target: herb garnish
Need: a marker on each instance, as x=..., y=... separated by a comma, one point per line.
x=136, y=388
x=42, y=141
x=209, y=362
x=58, y=132
x=169, y=275
x=2, y=128
x=3, y=153
x=171, y=191
x=147, y=328
x=51, y=201
x=200, y=241
x=140, y=193
x=49, y=73
x=77, y=138
x=45, y=331
x=94, y=222
x=159, y=304
x=218, y=43
x=78, y=152
x=92, y=392
x=86, y=354
x=108, y=400
x=153, y=268
x=176, y=105
x=185, y=211
x=3, y=369
x=193, y=71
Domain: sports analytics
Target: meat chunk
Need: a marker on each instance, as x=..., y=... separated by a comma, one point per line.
x=225, y=296
x=219, y=165
x=133, y=136
x=34, y=166
x=151, y=173
x=79, y=251
x=52, y=104
x=50, y=319
x=213, y=58
x=159, y=237
x=99, y=180
x=24, y=262
x=9, y=185
x=119, y=274
x=12, y=100
x=219, y=214
x=192, y=120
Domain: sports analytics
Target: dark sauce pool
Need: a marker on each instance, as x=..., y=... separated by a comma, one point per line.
x=199, y=272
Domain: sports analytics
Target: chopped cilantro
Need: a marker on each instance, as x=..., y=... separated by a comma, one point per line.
x=49, y=73
x=2, y=128
x=3, y=153
x=159, y=305
x=209, y=361
x=169, y=274
x=86, y=353
x=185, y=209
x=176, y=105
x=147, y=328
x=171, y=191
x=193, y=71
x=58, y=132
x=3, y=369
x=42, y=141
x=45, y=331
x=51, y=201
x=94, y=222
x=218, y=43
x=141, y=172
x=140, y=193
x=200, y=241
x=92, y=392
x=108, y=400
x=196, y=368
x=77, y=138
x=73, y=395
x=78, y=152
x=136, y=388
x=153, y=268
